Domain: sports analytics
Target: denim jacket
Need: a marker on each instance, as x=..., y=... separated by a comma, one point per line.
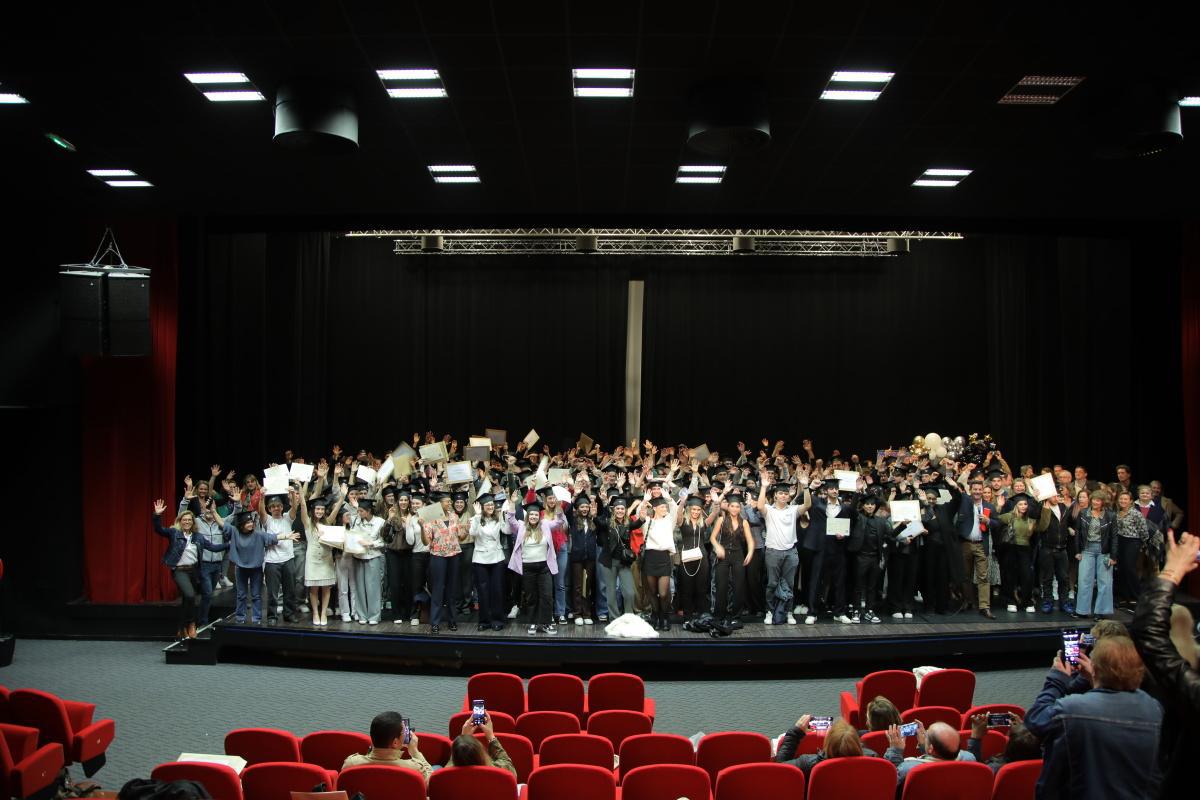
x=1102, y=743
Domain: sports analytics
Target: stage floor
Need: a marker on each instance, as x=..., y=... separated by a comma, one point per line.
x=923, y=639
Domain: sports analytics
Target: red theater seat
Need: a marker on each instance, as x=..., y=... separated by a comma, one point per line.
x=645, y=749
x=27, y=770
x=519, y=749
x=576, y=748
x=927, y=715
x=435, y=748
x=221, y=781
x=501, y=691
x=756, y=781
x=381, y=782
x=330, y=749
x=556, y=691
x=666, y=782
x=66, y=723
x=276, y=780
x=472, y=783
x=947, y=687
x=897, y=685
x=573, y=781
x=537, y=725
x=720, y=750
x=618, y=691
x=1017, y=781
x=857, y=777
x=262, y=745
x=616, y=726
x=501, y=723
x=992, y=708
x=993, y=743
x=949, y=780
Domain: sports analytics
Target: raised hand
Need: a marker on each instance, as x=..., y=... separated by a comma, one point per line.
x=235, y=494
x=215, y=469
x=159, y=507
x=322, y=469
x=187, y=486
x=337, y=451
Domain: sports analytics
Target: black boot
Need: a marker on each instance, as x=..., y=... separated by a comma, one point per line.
x=666, y=622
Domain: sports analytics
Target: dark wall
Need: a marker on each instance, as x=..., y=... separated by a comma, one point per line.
x=1065, y=350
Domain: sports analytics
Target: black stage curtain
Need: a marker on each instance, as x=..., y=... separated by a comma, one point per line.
x=1065, y=350
x=303, y=340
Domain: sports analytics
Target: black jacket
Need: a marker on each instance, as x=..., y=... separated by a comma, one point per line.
x=1108, y=527
x=1054, y=532
x=868, y=534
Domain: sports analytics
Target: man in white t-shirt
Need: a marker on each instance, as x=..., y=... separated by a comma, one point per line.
x=280, y=578
x=779, y=538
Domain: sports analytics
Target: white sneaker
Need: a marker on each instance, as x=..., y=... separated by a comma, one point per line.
x=1012, y=607
x=589, y=621
x=345, y=617
x=533, y=629
x=372, y=622
x=304, y=608
x=579, y=620
x=397, y=622
x=791, y=619
x=810, y=620
x=225, y=583
x=512, y=613
x=800, y=609
x=908, y=615
x=415, y=621
x=842, y=618
x=550, y=630
x=1029, y=609
x=898, y=615
x=767, y=619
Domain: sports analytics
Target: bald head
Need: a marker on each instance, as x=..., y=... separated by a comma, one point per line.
x=943, y=741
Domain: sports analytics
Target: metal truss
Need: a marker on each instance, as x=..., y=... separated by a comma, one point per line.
x=627, y=241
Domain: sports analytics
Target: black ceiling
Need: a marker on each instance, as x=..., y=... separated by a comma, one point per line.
x=108, y=77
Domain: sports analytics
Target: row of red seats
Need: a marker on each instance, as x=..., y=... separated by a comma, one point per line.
x=556, y=691
x=953, y=688
x=860, y=778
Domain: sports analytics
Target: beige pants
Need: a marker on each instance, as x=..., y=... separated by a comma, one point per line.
x=975, y=562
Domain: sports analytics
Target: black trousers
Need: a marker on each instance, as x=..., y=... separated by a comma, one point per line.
x=1126, y=586
x=1052, y=566
x=730, y=572
x=399, y=582
x=866, y=578
x=829, y=572
x=538, y=585
x=583, y=606
x=804, y=574
x=420, y=575
x=756, y=584
x=691, y=586
x=187, y=581
x=936, y=588
x=466, y=580
x=489, y=583
x=902, y=579
x=1016, y=579
x=281, y=577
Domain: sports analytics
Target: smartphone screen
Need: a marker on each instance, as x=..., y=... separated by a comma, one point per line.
x=908, y=729
x=820, y=723
x=407, y=727
x=1086, y=643
x=1071, y=649
x=478, y=713
x=998, y=719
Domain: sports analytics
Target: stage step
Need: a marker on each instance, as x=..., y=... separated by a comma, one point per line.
x=201, y=650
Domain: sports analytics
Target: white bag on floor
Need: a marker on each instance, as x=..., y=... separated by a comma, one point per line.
x=630, y=626
x=921, y=672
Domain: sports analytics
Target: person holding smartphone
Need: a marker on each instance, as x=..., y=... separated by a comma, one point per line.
x=1022, y=744
x=841, y=741
x=389, y=748
x=467, y=751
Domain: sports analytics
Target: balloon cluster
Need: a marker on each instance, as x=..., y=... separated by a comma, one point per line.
x=976, y=448
x=972, y=449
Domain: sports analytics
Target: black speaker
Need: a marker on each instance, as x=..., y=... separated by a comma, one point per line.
x=81, y=301
x=128, y=314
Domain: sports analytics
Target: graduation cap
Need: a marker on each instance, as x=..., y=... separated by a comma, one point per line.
x=366, y=503
x=484, y=499
x=359, y=486
x=654, y=482
x=995, y=472
x=533, y=506
x=403, y=491
x=242, y=517
x=1012, y=501
x=546, y=490
x=658, y=501
x=582, y=500
x=718, y=485
x=275, y=498
x=618, y=500
x=319, y=501
x=389, y=490
x=438, y=496
x=456, y=496
x=694, y=500
x=611, y=468
x=780, y=487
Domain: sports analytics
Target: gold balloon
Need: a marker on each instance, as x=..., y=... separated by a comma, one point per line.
x=918, y=442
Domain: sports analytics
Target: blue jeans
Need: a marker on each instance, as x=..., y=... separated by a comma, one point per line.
x=252, y=578
x=1094, y=573
x=560, y=584
x=781, y=568
x=210, y=573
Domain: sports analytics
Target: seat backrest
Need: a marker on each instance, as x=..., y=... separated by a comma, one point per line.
x=4, y=712
x=501, y=691
x=262, y=745
x=655, y=748
x=811, y=743
x=1017, y=781
x=949, y=780
x=993, y=743
x=927, y=715
x=897, y=685
x=519, y=749
x=19, y=742
x=947, y=687
x=330, y=749
x=472, y=783
x=382, y=782
x=557, y=691
x=501, y=723
x=537, y=725
x=991, y=708
x=719, y=750
x=755, y=781
x=576, y=748
x=275, y=780
x=666, y=782
x=221, y=781
x=435, y=747
x=44, y=711
x=875, y=740
x=574, y=781
x=616, y=725
x=857, y=776
x=615, y=690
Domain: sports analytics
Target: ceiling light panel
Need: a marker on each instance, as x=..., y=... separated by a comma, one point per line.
x=1191, y=101
x=225, y=87
x=454, y=173
x=942, y=177
x=119, y=177
x=1040, y=90
x=700, y=173
x=602, y=82
x=8, y=98
x=854, y=85
x=412, y=84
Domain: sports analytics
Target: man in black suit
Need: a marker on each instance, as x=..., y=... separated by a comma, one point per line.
x=974, y=524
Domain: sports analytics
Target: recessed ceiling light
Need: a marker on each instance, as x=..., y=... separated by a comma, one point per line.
x=697, y=179
x=1190, y=101
x=12, y=99
x=943, y=177
x=700, y=173
x=112, y=173
x=124, y=178
x=454, y=173
x=855, y=85
x=134, y=184
x=412, y=83
x=235, y=87
x=1040, y=90
x=602, y=82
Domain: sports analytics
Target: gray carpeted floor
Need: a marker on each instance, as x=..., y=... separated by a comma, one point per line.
x=163, y=710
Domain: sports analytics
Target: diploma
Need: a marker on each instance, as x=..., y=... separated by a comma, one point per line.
x=332, y=535
x=432, y=513
x=434, y=452
x=477, y=453
x=366, y=474
x=905, y=510
x=277, y=471
x=1043, y=487
x=584, y=444
x=301, y=472
x=497, y=436
x=479, y=441
x=701, y=453
x=847, y=479
x=276, y=484
x=838, y=526
x=530, y=438
x=562, y=494
x=459, y=472
x=557, y=475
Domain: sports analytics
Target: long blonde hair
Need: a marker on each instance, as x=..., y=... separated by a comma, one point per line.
x=188, y=513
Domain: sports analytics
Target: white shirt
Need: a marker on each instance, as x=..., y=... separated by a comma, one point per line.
x=660, y=534
x=368, y=531
x=488, y=549
x=280, y=552
x=976, y=535
x=781, y=527
x=531, y=551
x=412, y=535
x=190, y=555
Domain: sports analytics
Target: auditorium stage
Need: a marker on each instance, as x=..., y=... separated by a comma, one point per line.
x=926, y=639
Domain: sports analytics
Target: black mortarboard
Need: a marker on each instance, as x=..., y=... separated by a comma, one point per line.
x=780, y=487
x=546, y=490
x=367, y=503
x=403, y=491
x=484, y=499
x=611, y=468
x=318, y=501
x=582, y=499
x=618, y=500
x=456, y=496
x=533, y=506
x=658, y=501
x=241, y=517
x=438, y=495
x=275, y=498
x=694, y=500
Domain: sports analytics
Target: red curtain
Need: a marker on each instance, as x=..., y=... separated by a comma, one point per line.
x=129, y=437
x=1189, y=299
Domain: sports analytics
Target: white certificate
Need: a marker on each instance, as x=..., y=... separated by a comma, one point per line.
x=911, y=530
x=838, y=526
x=277, y=471
x=354, y=545
x=1043, y=487
x=403, y=467
x=459, y=472
x=496, y=436
x=479, y=441
x=944, y=497
x=404, y=450
x=530, y=438
x=366, y=474
x=477, y=453
x=905, y=510
x=557, y=475
x=434, y=452
x=432, y=513
x=332, y=535
x=301, y=472
x=386, y=469
x=847, y=479
x=275, y=485
x=700, y=453
x=562, y=494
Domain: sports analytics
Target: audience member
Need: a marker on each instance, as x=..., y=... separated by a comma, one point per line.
x=841, y=741
x=939, y=743
x=1022, y=744
x=389, y=748
x=467, y=751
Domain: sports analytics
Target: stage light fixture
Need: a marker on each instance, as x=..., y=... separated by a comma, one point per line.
x=856, y=85
x=412, y=84
x=700, y=173
x=602, y=82
x=12, y=99
x=941, y=177
x=1191, y=101
x=454, y=173
x=235, y=86
x=61, y=142
x=1040, y=90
